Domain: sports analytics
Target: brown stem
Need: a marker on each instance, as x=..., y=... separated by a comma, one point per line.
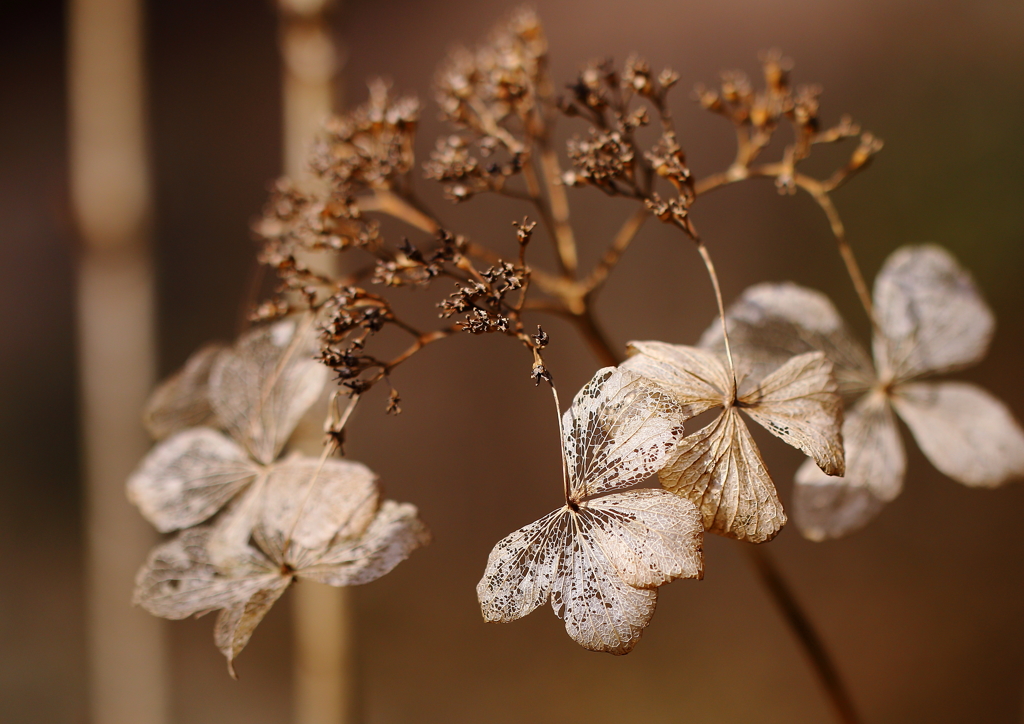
x=536, y=196
x=422, y=341
x=619, y=245
x=821, y=197
x=390, y=203
x=596, y=339
x=803, y=629
x=564, y=240
x=818, y=191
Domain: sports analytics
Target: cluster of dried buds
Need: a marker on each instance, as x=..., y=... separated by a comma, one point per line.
x=482, y=301
x=608, y=158
x=371, y=146
x=757, y=115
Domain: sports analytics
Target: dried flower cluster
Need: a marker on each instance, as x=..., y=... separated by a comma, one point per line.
x=251, y=520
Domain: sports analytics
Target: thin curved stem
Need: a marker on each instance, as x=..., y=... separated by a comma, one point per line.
x=822, y=198
x=803, y=629
x=703, y=250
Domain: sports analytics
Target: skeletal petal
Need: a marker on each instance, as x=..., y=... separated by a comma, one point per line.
x=261, y=388
x=618, y=432
x=391, y=537
x=188, y=477
x=178, y=579
x=697, y=378
x=235, y=625
x=183, y=400
x=771, y=323
x=799, y=403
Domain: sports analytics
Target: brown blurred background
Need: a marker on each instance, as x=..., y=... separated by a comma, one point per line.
x=922, y=609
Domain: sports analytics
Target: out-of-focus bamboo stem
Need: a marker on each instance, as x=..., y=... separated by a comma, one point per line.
x=110, y=189
x=322, y=616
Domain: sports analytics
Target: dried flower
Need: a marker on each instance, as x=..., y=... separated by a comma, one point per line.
x=481, y=90
x=320, y=521
x=719, y=467
x=600, y=560
x=258, y=391
x=183, y=400
x=372, y=145
x=931, y=319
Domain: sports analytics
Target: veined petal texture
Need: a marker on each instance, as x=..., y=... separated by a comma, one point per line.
x=262, y=387
x=618, y=432
x=931, y=316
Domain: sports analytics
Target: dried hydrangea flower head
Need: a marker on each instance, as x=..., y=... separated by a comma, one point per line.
x=257, y=391
x=601, y=559
x=719, y=467
x=930, y=319
x=318, y=520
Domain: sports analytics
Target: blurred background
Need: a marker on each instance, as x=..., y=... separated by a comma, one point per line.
x=922, y=609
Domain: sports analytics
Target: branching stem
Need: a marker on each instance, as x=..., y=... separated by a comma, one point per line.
x=565, y=242
x=620, y=244
x=817, y=191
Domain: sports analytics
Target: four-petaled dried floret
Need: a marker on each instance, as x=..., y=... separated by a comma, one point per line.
x=600, y=560
x=931, y=319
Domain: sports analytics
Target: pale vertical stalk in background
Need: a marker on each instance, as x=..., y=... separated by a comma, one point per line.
x=322, y=616
x=110, y=189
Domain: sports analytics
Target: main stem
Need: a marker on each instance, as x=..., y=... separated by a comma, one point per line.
x=803, y=629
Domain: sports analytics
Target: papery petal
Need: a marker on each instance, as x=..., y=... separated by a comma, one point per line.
x=178, y=579
x=830, y=507
x=697, y=378
x=720, y=470
x=262, y=387
x=650, y=536
x=771, y=323
x=183, y=400
x=307, y=504
x=966, y=432
x=235, y=625
x=800, y=404
x=391, y=537
x=188, y=477
x=521, y=568
x=228, y=544
x=931, y=315
x=601, y=611
x=618, y=432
